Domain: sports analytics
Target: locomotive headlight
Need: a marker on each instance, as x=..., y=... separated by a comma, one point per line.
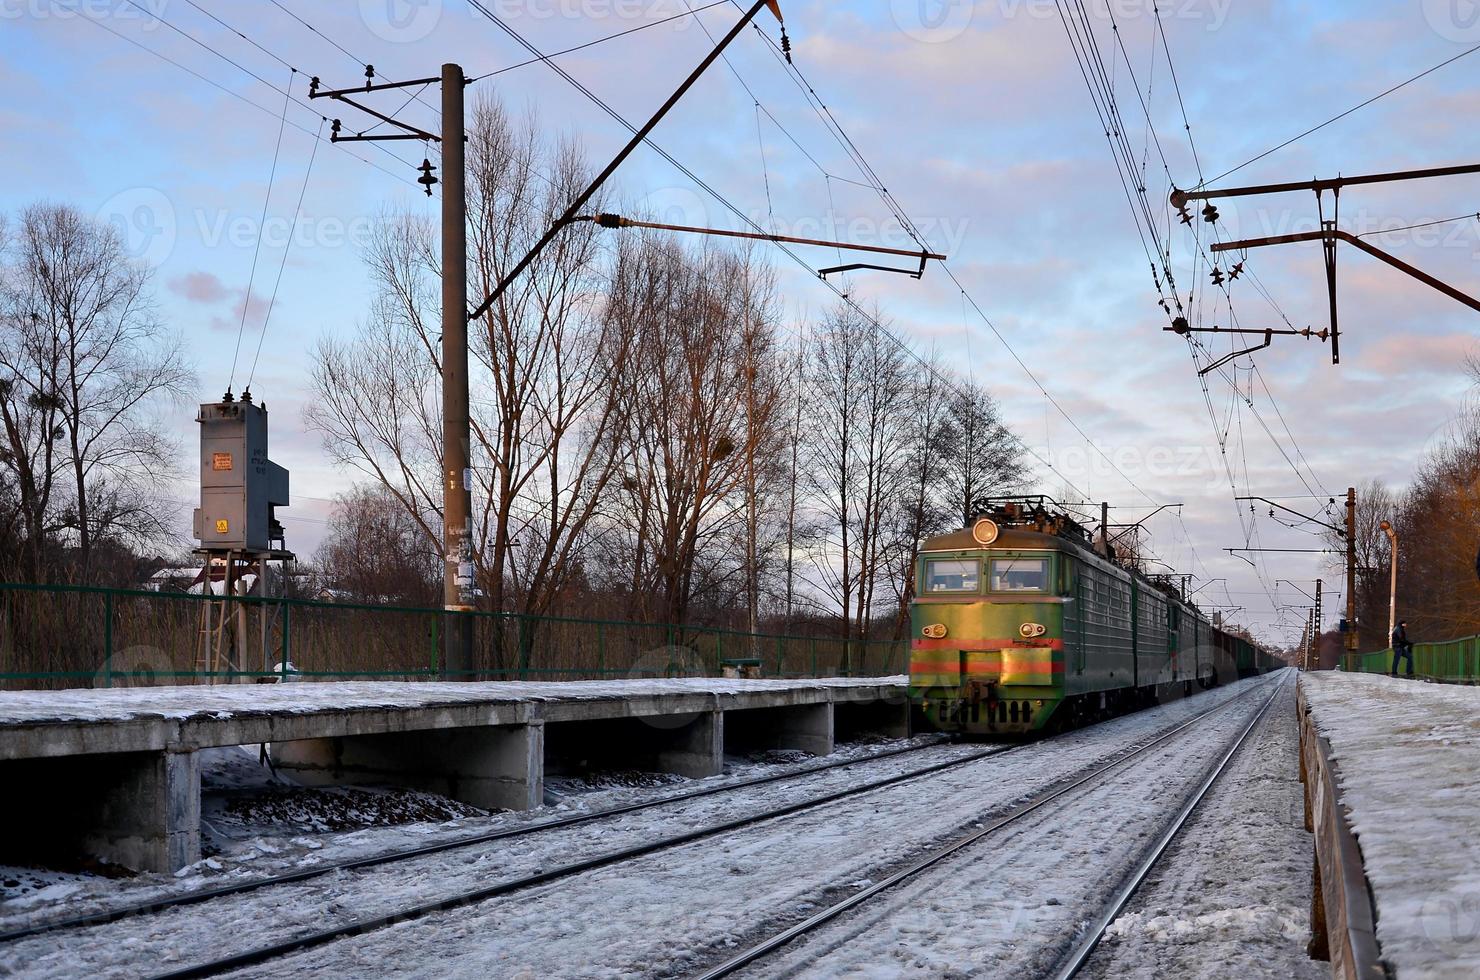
x=1032, y=630
x=934, y=630
x=984, y=531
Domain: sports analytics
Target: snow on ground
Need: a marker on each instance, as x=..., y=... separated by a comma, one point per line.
x=659, y=915
x=667, y=913
x=199, y=700
x=1013, y=903
x=1231, y=896
x=1408, y=761
x=242, y=840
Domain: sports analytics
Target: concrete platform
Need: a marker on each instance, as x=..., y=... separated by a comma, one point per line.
x=113, y=773
x=1392, y=769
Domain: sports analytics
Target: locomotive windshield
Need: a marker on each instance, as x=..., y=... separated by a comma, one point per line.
x=1020, y=575
x=951, y=575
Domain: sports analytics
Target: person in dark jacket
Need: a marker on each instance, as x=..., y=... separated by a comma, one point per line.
x=1402, y=648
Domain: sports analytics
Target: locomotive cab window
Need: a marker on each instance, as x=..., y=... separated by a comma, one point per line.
x=952, y=575
x=1020, y=575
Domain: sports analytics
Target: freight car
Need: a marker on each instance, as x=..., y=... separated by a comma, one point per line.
x=1021, y=624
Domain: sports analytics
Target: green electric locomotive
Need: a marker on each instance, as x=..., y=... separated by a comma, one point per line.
x=1020, y=624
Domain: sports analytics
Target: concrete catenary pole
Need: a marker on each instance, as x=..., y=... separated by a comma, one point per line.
x=1315, y=643
x=1351, y=568
x=457, y=482
x=1393, y=582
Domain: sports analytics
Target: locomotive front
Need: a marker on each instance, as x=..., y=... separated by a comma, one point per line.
x=987, y=646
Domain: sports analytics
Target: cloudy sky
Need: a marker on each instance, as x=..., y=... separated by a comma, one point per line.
x=162, y=116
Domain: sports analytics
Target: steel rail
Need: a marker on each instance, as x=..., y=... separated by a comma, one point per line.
x=1091, y=940
x=1048, y=795
x=387, y=857
x=311, y=940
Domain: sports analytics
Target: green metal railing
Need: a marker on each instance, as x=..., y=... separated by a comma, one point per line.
x=1450, y=662
x=88, y=636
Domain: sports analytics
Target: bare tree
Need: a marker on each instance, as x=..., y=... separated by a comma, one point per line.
x=701, y=411
x=859, y=438
x=84, y=363
x=976, y=449
x=917, y=511
x=376, y=552
x=547, y=355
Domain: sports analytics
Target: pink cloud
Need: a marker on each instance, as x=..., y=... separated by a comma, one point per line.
x=199, y=287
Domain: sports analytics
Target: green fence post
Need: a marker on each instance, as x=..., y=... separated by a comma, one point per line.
x=814, y=656
x=668, y=633
x=523, y=653
x=778, y=656
x=601, y=649
x=287, y=641
x=108, y=638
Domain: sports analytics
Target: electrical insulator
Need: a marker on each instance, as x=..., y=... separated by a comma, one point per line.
x=1217, y=276
x=1184, y=215
x=426, y=179
x=1210, y=214
x=1237, y=268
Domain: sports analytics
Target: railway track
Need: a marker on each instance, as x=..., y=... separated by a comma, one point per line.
x=1132, y=882
x=405, y=854
x=1055, y=791
x=269, y=952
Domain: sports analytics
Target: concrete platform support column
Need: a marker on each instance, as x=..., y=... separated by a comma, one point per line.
x=140, y=810
x=492, y=766
x=807, y=727
x=697, y=749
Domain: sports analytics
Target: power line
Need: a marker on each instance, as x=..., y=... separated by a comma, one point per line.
x=234, y=94
x=272, y=301
x=261, y=225
x=1421, y=224
x=436, y=110
x=202, y=44
x=850, y=147
x=730, y=206
x=691, y=12
x=1343, y=115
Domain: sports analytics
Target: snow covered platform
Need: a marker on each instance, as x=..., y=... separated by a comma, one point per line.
x=114, y=773
x=1392, y=771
